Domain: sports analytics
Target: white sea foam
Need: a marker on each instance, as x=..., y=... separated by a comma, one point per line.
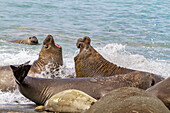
x=115, y=53
x=20, y=57
x=13, y=98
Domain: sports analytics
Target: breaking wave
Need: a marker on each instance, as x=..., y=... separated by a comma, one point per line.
x=115, y=53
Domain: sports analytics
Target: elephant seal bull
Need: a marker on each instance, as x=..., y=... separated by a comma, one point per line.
x=32, y=40
x=39, y=90
x=89, y=63
x=50, y=57
x=128, y=100
x=162, y=91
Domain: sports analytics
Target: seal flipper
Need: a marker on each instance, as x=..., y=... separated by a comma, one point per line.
x=20, y=72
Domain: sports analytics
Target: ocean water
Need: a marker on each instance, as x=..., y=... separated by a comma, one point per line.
x=130, y=33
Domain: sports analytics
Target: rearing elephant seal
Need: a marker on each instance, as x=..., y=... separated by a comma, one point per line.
x=162, y=91
x=89, y=63
x=39, y=90
x=50, y=55
x=32, y=40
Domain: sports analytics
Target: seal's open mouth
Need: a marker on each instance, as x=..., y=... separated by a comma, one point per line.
x=57, y=45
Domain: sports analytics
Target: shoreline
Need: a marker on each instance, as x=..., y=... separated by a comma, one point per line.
x=19, y=108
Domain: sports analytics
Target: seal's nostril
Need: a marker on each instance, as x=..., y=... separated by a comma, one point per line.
x=79, y=45
x=153, y=82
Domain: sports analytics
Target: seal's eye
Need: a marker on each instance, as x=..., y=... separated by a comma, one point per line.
x=29, y=37
x=46, y=46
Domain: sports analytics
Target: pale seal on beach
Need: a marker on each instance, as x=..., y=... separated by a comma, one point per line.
x=162, y=91
x=50, y=57
x=128, y=100
x=68, y=101
x=42, y=88
x=32, y=40
x=89, y=63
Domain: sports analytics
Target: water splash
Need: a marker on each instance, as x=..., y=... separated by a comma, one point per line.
x=20, y=57
x=14, y=97
x=64, y=71
x=115, y=53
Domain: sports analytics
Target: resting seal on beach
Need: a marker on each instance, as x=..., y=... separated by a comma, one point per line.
x=162, y=91
x=89, y=63
x=68, y=101
x=50, y=57
x=32, y=40
x=128, y=100
x=39, y=90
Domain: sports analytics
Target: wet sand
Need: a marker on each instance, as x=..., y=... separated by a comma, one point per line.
x=19, y=108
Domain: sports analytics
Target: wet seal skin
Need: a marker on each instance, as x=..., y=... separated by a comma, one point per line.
x=162, y=91
x=42, y=88
x=32, y=40
x=89, y=63
x=50, y=55
x=128, y=100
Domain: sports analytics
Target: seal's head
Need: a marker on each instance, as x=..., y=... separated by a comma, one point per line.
x=50, y=51
x=156, y=78
x=83, y=43
x=86, y=50
x=32, y=40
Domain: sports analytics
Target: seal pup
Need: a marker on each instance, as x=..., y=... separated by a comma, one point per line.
x=32, y=40
x=50, y=57
x=68, y=101
x=162, y=91
x=39, y=90
x=89, y=63
x=128, y=100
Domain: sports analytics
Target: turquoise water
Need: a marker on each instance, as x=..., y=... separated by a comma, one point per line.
x=130, y=33
x=144, y=26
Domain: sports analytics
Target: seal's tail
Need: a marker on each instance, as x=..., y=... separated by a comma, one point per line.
x=20, y=72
